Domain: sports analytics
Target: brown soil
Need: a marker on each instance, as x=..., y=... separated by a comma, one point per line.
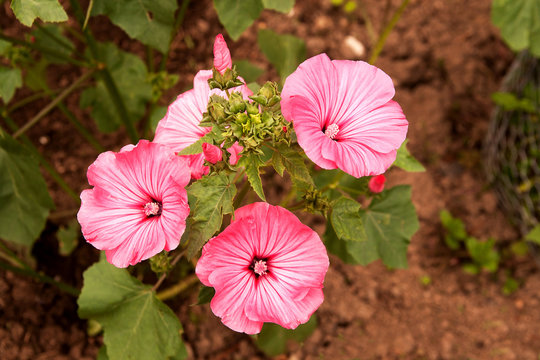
x=446, y=59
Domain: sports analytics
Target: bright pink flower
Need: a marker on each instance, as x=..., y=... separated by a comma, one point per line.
x=138, y=206
x=376, y=183
x=180, y=126
x=266, y=266
x=234, y=151
x=343, y=115
x=212, y=153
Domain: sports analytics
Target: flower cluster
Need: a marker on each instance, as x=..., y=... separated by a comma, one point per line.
x=266, y=266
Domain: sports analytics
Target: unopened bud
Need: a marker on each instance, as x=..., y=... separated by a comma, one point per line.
x=212, y=153
x=376, y=183
x=237, y=103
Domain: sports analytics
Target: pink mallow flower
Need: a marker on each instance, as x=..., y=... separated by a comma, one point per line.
x=138, y=205
x=376, y=184
x=343, y=115
x=266, y=266
x=180, y=126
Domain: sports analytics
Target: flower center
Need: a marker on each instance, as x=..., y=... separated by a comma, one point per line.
x=259, y=267
x=152, y=208
x=331, y=131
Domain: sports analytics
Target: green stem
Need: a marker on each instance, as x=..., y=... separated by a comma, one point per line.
x=53, y=103
x=88, y=13
x=56, y=39
x=41, y=277
x=46, y=165
x=81, y=129
x=181, y=286
x=177, y=24
x=386, y=31
x=27, y=100
x=106, y=75
x=44, y=50
x=369, y=25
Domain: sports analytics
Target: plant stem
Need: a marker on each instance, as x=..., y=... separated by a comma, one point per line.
x=27, y=100
x=25, y=269
x=386, y=31
x=181, y=286
x=48, y=167
x=56, y=39
x=88, y=12
x=106, y=75
x=163, y=276
x=53, y=103
x=369, y=25
x=177, y=24
x=41, y=277
x=44, y=50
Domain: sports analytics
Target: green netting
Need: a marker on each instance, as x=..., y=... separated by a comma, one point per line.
x=512, y=150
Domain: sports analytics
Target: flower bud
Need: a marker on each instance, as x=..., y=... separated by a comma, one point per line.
x=237, y=103
x=376, y=183
x=212, y=153
x=252, y=109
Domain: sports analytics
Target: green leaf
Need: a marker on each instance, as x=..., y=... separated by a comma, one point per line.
x=534, y=235
x=389, y=223
x=406, y=161
x=23, y=194
x=510, y=102
x=519, y=21
x=68, y=237
x=337, y=246
x=252, y=162
x=273, y=338
x=27, y=11
x=10, y=80
x=294, y=163
x=347, y=221
x=149, y=21
x=157, y=114
x=130, y=76
x=483, y=253
x=36, y=75
x=285, y=52
x=206, y=294
x=249, y=71
x=213, y=197
x=455, y=230
x=136, y=324
x=283, y=6
x=50, y=37
x=102, y=353
x=277, y=163
x=237, y=15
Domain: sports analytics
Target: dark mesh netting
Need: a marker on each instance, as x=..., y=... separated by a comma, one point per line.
x=512, y=146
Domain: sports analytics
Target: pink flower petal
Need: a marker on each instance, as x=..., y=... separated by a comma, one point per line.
x=113, y=214
x=292, y=255
x=343, y=115
x=222, y=55
x=235, y=150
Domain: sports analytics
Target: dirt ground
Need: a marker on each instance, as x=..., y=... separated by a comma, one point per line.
x=446, y=59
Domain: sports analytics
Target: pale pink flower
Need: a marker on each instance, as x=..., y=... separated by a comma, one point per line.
x=343, y=115
x=376, y=183
x=266, y=266
x=180, y=126
x=138, y=205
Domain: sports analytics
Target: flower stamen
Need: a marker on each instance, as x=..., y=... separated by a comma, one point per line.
x=331, y=131
x=152, y=208
x=259, y=267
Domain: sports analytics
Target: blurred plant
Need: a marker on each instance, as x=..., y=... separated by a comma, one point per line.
x=483, y=254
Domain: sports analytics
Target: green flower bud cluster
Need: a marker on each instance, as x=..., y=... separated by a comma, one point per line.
x=227, y=80
x=315, y=201
x=160, y=263
x=249, y=122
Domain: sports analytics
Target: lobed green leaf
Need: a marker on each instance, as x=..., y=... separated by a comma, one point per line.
x=519, y=21
x=252, y=163
x=273, y=338
x=285, y=52
x=68, y=237
x=347, y=221
x=406, y=161
x=27, y=11
x=10, y=80
x=237, y=15
x=283, y=6
x=130, y=76
x=149, y=21
x=137, y=325
x=23, y=194
x=212, y=197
